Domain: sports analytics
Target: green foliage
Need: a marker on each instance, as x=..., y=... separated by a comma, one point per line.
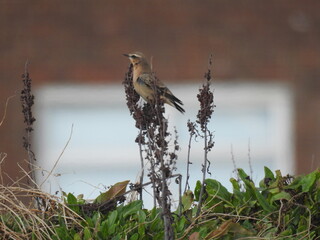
x=281, y=207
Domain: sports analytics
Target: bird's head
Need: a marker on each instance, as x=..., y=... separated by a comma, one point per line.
x=136, y=57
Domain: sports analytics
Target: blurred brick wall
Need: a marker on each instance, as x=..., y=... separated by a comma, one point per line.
x=82, y=41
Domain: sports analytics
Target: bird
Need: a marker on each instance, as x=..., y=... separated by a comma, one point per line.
x=145, y=83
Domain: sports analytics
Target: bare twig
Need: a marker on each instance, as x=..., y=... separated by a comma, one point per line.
x=57, y=161
x=165, y=168
x=235, y=169
x=2, y=158
x=152, y=173
x=249, y=159
x=192, y=132
x=5, y=109
x=141, y=160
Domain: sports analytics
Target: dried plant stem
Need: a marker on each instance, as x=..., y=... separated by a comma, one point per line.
x=152, y=172
x=27, y=101
x=249, y=158
x=141, y=161
x=205, y=98
x=165, y=171
x=57, y=161
x=187, y=186
x=179, y=180
x=235, y=169
x=2, y=158
x=167, y=218
x=166, y=211
x=204, y=171
x=5, y=109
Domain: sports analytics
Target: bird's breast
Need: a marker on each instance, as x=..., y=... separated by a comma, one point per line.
x=143, y=90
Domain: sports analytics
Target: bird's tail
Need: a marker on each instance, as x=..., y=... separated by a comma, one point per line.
x=175, y=102
x=178, y=107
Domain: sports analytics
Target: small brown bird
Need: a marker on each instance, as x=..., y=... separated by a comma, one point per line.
x=144, y=82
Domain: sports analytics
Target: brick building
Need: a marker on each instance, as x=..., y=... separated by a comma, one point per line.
x=70, y=42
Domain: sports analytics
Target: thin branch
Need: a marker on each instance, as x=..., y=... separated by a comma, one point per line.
x=57, y=161
x=235, y=169
x=153, y=171
x=191, y=129
x=5, y=109
x=141, y=160
x=249, y=159
x=2, y=158
x=204, y=171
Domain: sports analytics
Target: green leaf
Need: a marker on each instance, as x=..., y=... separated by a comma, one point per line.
x=268, y=178
x=235, y=184
x=112, y=229
x=77, y=237
x=134, y=236
x=86, y=234
x=303, y=224
x=71, y=199
x=238, y=196
x=215, y=188
x=254, y=192
x=308, y=181
x=287, y=232
x=187, y=200
x=274, y=190
x=104, y=229
x=90, y=222
x=154, y=213
x=305, y=182
x=281, y=195
x=181, y=224
x=159, y=236
x=96, y=218
x=63, y=233
x=112, y=218
x=142, y=230
x=156, y=223
x=268, y=173
x=197, y=190
x=131, y=208
x=34, y=237
x=141, y=216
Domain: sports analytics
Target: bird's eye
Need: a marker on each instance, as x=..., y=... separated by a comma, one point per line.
x=133, y=56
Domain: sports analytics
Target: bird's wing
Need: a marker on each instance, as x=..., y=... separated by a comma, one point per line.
x=145, y=79
x=149, y=79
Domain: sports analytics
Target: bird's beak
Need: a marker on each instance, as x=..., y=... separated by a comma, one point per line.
x=127, y=55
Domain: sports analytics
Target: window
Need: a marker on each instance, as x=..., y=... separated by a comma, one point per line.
x=250, y=121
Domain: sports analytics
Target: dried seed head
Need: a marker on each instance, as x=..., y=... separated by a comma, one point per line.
x=205, y=97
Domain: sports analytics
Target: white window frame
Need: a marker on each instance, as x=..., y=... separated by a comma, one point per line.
x=277, y=98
